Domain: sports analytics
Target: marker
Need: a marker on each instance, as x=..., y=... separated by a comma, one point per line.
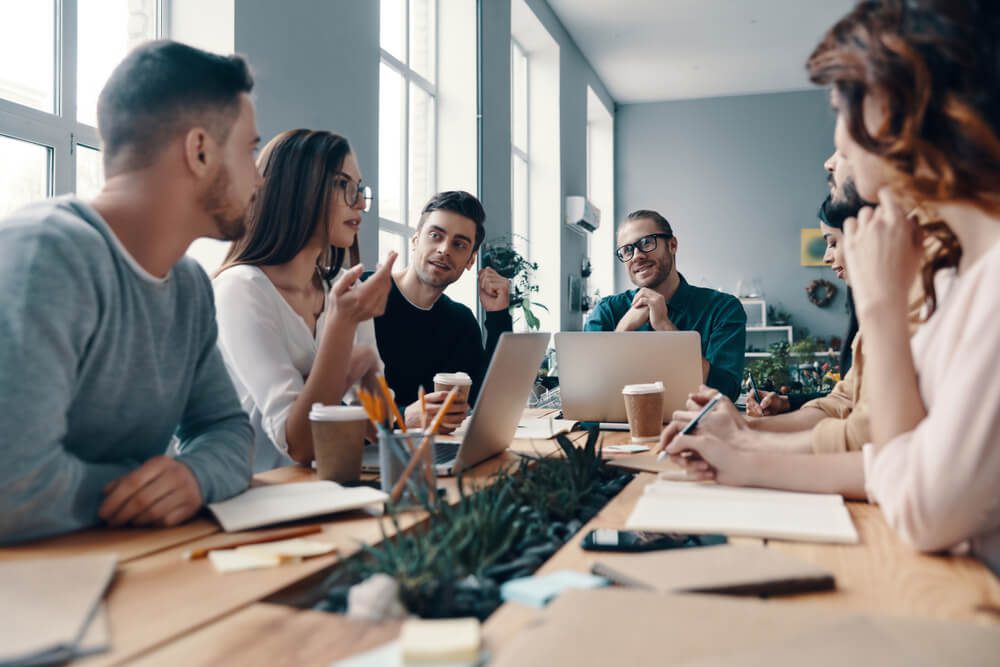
x=693, y=424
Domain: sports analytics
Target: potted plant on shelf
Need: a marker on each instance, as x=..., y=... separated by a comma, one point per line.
x=501, y=256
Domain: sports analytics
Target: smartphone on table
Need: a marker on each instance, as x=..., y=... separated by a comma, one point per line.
x=611, y=539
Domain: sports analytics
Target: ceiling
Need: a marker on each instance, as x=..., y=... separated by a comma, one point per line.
x=654, y=50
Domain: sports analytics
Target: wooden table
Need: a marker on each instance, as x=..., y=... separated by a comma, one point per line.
x=165, y=611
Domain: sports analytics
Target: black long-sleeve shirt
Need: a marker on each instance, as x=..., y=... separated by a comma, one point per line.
x=416, y=344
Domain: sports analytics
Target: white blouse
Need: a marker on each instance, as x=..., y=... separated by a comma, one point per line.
x=939, y=485
x=269, y=352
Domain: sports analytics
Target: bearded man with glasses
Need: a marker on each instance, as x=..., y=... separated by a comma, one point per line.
x=664, y=301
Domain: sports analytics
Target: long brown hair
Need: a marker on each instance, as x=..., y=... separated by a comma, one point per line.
x=937, y=64
x=300, y=170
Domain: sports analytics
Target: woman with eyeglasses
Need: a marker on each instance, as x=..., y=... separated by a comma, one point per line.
x=294, y=327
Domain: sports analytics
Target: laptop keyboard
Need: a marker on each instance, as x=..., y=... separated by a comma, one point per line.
x=445, y=452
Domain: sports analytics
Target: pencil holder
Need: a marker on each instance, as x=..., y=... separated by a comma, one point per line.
x=394, y=452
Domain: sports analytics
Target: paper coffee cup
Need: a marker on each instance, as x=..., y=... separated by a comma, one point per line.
x=338, y=433
x=644, y=407
x=445, y=382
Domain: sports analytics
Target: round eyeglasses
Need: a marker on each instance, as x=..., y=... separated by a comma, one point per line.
x=355, y=191
x=647, y=243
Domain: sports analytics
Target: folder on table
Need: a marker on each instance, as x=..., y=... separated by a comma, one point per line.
x=726, y=568
x=51, y=608
x=685, y=507
x=622, y=626
x=266, y=505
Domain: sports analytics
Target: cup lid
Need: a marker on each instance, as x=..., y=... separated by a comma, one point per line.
x=649, y=388
x=454, y=379
x=337, y=413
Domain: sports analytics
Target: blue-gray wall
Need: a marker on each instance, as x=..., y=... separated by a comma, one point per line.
x=737, y=177
x=316, y=64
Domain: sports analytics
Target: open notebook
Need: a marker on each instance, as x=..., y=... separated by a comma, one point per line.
x=265, y=505
x=686, y=507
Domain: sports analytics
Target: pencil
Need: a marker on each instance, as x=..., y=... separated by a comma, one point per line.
x=195, y=554
x=423, y=408
x=397, y=490
x=384, y=386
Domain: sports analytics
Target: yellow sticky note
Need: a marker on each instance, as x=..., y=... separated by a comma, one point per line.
x=440, y=641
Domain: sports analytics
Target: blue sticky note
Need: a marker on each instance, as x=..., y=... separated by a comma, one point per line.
x=537, y=591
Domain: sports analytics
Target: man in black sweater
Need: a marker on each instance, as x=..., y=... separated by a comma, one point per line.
x=422, y=331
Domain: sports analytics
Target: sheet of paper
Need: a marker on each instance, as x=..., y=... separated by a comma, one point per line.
x=544, y=428
x=625, y=449
x=451, y=641
x=297, y=548
x=265, y=505
x=679, y=507
x=49, y=604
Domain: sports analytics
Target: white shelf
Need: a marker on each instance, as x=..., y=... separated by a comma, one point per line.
x=783, y=327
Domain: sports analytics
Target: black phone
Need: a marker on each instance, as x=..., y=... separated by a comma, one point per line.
x=611, y=539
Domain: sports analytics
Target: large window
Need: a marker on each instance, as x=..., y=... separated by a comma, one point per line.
x=408, y=98
x=601, y=192
x=519, y=147
x=55, y=56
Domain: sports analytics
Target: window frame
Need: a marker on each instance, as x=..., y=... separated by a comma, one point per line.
x=403, y=228
x=59, y=131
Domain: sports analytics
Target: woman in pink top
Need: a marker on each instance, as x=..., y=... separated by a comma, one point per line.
x=918, y=119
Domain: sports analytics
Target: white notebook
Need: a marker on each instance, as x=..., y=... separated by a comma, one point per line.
x=264, y=505
x=685, y=507
x=51, y=608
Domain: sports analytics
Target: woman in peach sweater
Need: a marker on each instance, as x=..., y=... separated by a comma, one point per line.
x=918, y=118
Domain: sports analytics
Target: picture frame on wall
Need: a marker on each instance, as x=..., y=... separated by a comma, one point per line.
x=812, y=247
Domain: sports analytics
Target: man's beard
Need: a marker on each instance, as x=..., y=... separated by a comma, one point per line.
x=663, y=268
x=429, y=280
x=215, y=201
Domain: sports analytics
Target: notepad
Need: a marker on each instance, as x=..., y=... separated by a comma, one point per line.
x=49, y=608
x=541, y=428
x=269, y=554
x=440, y=641
x=726, y=568
x=537, y=591
x=683, y=507
x=266, y=505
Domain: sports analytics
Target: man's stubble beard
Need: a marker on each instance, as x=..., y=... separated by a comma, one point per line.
x=216, y=203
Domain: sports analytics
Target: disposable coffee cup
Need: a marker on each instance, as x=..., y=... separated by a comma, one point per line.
x=644, y=407
x=445, y=382
x=338, y=433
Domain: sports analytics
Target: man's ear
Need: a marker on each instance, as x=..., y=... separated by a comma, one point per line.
x=199, y=151
x=672, y=242
x=413, y=242
x=472, y=261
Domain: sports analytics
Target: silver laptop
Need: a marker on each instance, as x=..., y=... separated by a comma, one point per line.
x=499, y=406
x=595, y=365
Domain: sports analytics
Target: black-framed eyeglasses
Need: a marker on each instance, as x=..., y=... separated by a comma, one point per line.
x=355, y=191
x=647, y=243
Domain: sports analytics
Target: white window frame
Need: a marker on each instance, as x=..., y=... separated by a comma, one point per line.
x=60, y=131
x=521, y=153
x=406, y=226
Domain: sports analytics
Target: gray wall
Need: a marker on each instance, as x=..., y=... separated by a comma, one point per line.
x=737, y=177
x=316, y=66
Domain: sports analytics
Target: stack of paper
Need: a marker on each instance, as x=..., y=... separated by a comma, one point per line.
x=682, y=507
x=538, y=590
x=51, y=608
x=265, y=505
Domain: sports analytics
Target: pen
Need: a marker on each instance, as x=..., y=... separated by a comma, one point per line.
x=693, y=424
x=753, y=386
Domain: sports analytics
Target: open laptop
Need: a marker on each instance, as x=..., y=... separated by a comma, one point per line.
x=595, y=365
x=501, y=401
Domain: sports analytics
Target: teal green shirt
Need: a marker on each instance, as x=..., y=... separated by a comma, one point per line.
x=718, y=317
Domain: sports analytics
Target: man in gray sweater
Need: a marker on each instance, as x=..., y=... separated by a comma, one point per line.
x=107, y=332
